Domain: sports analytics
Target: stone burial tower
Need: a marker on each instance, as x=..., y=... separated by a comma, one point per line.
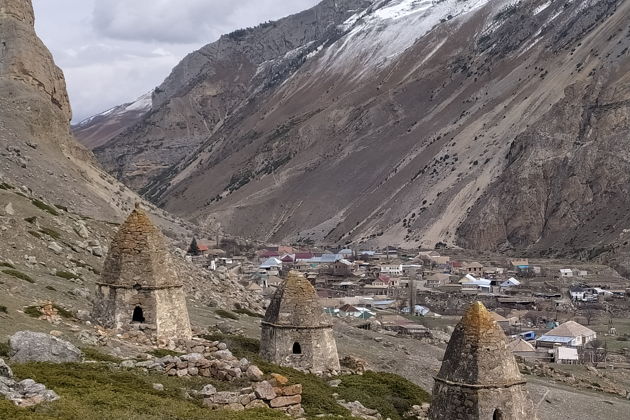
x=296, y=332
x=139, y=288
x=479, y=378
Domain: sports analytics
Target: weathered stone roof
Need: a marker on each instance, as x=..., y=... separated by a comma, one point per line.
x=138, y=255
x=296, y=304
x=477, y=353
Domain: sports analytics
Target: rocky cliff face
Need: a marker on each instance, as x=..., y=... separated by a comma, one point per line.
x=58, y=209
x=481, y=123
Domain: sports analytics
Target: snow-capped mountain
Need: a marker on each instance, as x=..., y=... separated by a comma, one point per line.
x=481, y=123
x=99, y=129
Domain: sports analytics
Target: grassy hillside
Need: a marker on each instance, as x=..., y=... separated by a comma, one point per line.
x=99, y=391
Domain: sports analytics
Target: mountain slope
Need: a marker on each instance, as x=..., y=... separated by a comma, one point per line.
x=209, y=84
x=58, y=209
x=423, y=122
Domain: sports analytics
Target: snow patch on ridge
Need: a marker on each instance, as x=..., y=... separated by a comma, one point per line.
x=142, y=104
x=385, y=30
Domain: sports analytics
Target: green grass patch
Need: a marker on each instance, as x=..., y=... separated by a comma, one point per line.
x=4, y=309
x=66, y=275
x=50, y=232
x=7, y=265
x=62, y=312
x=97, y=392
x=35, y=234
x=45, y=207
x=4, y=349
x=96, y=355
x=388, y=393
x=19, y=275
x=33, y=311
x=244, y=311
x=226, y=314
x=164, y=352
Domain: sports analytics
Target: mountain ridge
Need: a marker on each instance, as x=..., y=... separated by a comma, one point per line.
x=415, y=150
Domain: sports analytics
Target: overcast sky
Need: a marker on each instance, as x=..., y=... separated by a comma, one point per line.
x=113, y=51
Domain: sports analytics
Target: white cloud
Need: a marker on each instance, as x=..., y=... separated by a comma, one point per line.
x=113, y=51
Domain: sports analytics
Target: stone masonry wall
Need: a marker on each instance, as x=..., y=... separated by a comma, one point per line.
x=458, y=403
x=172, y=314
x=319, y=349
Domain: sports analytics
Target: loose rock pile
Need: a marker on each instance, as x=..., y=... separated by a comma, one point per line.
x=275, y=394
x=25, y=393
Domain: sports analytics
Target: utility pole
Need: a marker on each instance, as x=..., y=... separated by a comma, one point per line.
x=412, y=291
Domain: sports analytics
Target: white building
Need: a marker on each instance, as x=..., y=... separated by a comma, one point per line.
x=393, y=270
x=566, y=272
x=565, y=355
x=569, y=334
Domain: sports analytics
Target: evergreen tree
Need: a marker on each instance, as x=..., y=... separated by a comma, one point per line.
x=194, y=248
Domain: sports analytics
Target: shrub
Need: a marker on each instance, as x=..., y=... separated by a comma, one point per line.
x=388, y=393
x=45, y=207
x=64, y=313
x=5, y=186
x=67, y=275
x=33, y=311
x=4, y=349
x=31, y=220
x=4, y=309
x=7, y=265
x=51, y=288
x=164, y=353
x=63, y=208
x=19, y=275
x=51, y=232
x=35, y=234
x=96, y=355
x=244, y=311
x=226, y=314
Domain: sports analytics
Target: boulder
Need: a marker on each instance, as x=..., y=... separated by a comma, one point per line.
x=254, y=373
x=8, y=209
x=264, y=390
x=5, y=370
x=28, y=346
x=208, y=390
x=55, y=247
x=285, y=401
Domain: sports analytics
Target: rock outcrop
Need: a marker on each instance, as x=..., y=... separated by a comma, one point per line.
x=26, y=393
x=29, y=346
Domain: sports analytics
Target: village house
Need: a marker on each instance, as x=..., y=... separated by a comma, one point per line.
x=566, y=355
x=342, y=268
x=566, y=272
x=569, y=334
x=347, y=253
x=271, y=265
x=511, y=282
x=474, y=268
x=393, y=269
x=437, y=279
x=522, y=349
x=516, y=262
